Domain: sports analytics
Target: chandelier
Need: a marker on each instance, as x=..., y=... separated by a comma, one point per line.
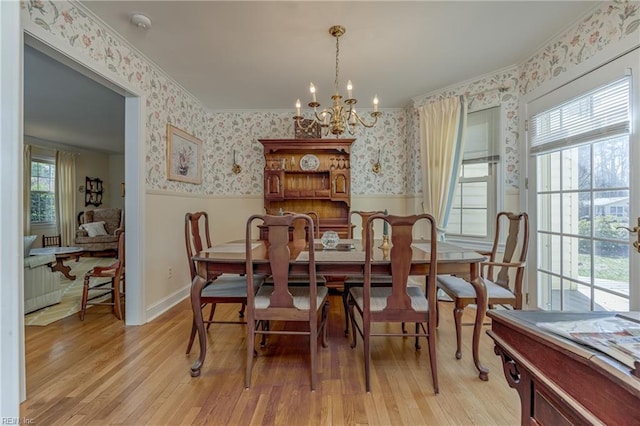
x=341, y=115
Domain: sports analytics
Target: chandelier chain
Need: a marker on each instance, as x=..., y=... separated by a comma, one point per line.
x=337, y=61
x=341, y=116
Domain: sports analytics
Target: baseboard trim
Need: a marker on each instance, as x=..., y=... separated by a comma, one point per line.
x=157, y=309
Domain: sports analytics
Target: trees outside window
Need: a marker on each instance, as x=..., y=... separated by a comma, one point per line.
x=43, y=191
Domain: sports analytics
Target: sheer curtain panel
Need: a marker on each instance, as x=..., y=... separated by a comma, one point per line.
x=66, y=196
x=442, y=131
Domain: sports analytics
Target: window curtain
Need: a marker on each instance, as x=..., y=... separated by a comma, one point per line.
x=442, y=135
x=66, y=196
x=26, y=189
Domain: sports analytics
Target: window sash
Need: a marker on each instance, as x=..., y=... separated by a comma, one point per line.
x=43, y=192
x=482, y=136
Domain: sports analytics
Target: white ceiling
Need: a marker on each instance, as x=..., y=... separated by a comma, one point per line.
x=263, y=54
x=65, y=107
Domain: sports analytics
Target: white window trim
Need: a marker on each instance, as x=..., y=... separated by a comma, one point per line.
x=486, y=243
x=48, y=160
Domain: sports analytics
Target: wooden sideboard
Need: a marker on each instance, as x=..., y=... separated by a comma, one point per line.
x=304, y=175
x=561, y=382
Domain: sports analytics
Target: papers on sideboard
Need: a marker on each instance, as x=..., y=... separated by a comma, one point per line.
x=615, y=336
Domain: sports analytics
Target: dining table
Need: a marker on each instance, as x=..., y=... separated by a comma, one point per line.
x=347, y=259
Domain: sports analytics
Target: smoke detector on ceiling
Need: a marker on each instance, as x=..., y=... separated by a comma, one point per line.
x=141, y=21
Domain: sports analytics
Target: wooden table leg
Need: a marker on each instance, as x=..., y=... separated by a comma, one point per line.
x=64, y=269
x=196, y=305
x=481, y=298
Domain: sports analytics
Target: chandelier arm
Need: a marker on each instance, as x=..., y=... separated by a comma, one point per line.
x=361, y=121
x=304, y=128
x=318, y=118
x=341, y=116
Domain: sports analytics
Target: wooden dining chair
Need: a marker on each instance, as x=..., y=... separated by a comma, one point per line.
x=299, y=226
x=401, y=302
x=225, y=288
x=115, y=279
x=52, y=241
x=506, y=288
x=282, y=301
x=300, y=239
x=358, y=280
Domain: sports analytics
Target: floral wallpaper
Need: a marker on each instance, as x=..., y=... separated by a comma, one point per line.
x=499, y=89
x=222, y=133
x=609, y=23
x=240, y=131
x=166, y=101
x=395, y=139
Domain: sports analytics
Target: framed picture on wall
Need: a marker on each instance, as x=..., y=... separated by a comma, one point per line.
x=184, y=156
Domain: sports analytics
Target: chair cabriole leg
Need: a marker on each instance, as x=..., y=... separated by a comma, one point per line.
x=457, y=317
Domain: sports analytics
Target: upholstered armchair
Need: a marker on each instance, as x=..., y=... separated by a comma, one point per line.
x=98, y=229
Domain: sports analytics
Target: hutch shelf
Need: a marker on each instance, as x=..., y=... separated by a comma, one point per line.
x=304, y=175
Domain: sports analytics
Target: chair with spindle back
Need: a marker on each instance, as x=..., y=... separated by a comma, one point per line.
x=115, y=274
x=52, y=241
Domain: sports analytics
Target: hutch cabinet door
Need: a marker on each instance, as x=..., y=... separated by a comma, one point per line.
x=340, y=184
x=274, y=184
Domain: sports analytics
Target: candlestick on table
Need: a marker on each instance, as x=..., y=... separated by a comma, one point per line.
x=385, y=226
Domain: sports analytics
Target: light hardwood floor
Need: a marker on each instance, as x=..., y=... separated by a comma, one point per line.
x=100, y=372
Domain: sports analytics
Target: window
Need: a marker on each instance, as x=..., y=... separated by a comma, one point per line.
x=582, y=193
x=43, y=191
x=474, y=202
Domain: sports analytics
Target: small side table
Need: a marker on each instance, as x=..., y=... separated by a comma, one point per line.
x=61, y=253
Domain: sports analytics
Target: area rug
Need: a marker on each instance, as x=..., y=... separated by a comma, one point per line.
x=71, y=292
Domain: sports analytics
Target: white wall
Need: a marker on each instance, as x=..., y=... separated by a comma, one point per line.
x=168, y=274
x=116, y=181
x=11, y=282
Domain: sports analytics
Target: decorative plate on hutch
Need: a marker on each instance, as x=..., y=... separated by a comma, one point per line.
x=309, y=162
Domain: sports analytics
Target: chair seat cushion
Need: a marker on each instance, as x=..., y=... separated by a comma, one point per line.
x=379, y=297
x=229, y=286
x=462, y=289
x=300, y=297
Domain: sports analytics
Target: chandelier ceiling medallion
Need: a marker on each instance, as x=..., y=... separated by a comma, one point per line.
x=341, y=115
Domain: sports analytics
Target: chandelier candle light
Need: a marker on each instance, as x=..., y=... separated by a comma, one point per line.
x=340, y=116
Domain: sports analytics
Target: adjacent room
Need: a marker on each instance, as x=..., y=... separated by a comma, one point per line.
x=291, y=212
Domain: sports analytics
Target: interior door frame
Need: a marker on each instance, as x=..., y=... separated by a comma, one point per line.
x=528, y=185
x=135, y=101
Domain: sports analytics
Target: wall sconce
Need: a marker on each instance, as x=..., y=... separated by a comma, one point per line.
x=377, y=167
x=235, y=168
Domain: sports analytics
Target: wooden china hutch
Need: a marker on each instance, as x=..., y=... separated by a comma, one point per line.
x=304, y=175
